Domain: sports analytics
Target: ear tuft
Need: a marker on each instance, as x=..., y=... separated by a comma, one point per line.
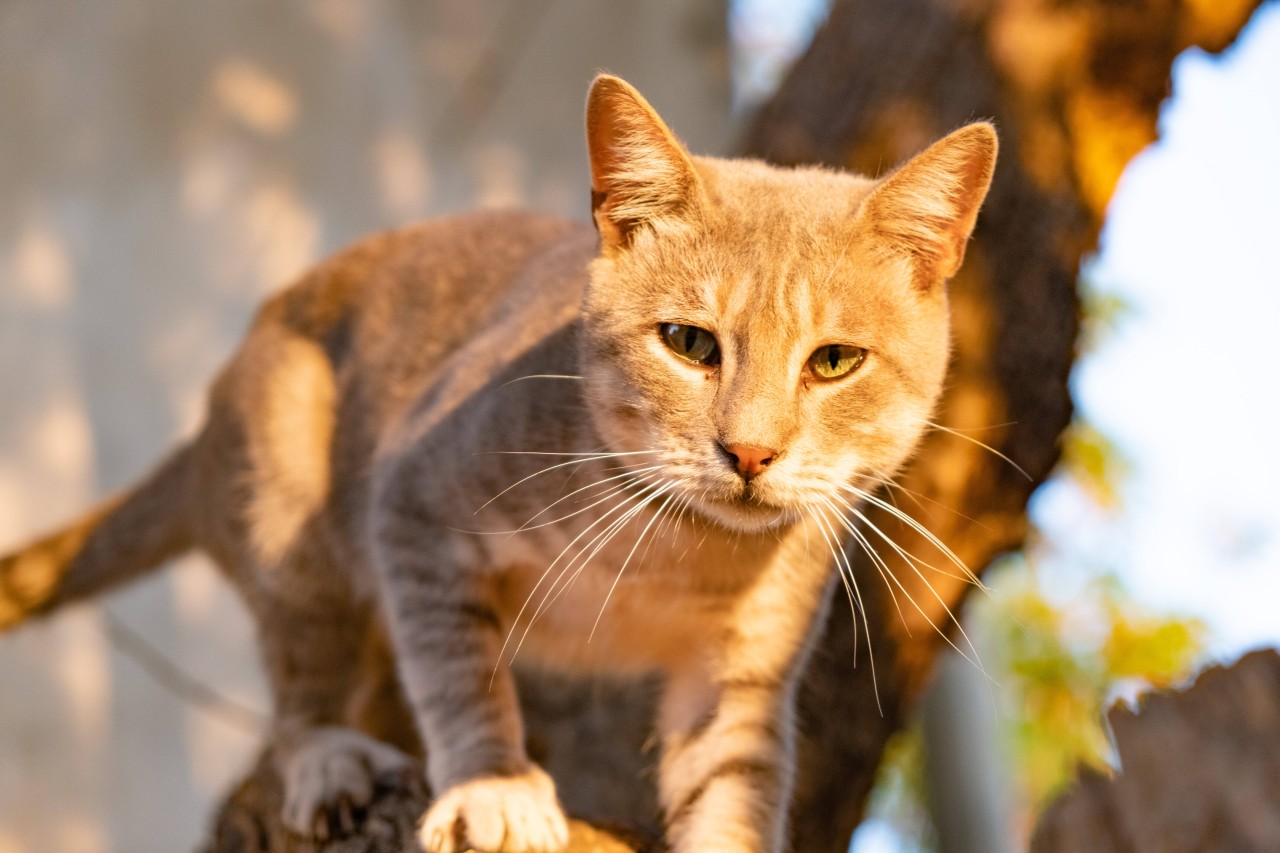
x=640, y=172
x=928, y=207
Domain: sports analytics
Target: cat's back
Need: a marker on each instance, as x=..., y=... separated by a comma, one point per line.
x=422, y=290
x=390, y=309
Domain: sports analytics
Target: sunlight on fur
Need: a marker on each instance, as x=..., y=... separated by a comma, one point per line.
x=508, y=439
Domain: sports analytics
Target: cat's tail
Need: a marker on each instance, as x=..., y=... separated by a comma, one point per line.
x=114, y=543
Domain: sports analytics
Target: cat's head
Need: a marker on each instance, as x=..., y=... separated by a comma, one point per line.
x=771, y=333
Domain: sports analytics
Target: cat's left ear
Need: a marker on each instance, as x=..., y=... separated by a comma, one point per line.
x=640, y=173
x=929, y=205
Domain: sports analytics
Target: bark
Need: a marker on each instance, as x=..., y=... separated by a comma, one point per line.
x=248, y=822
x=1074, y=89
x=1201, y=771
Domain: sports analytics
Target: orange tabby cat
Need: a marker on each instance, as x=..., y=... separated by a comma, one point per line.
x=509, y=438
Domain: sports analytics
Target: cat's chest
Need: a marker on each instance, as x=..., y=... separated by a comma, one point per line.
x=634, y=626
x=623, y=608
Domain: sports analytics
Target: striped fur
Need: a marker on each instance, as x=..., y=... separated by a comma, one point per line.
x=466, y=442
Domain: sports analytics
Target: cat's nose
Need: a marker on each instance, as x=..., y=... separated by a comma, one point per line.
x=749, y=459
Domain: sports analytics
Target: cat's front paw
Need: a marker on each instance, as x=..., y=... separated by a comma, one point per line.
x=497, y=814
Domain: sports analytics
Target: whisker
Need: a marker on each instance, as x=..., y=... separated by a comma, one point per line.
x=597, y=454
x=531, y=476
x=560, y=585
x=967, y=578
x=984, y=446
x=853, y=609
x=538, y=376
x=586, y=458
x=922, y=530
x=876, y=560
x=918, y=497
x=608, y=595
x=601, y=540
x=543, y=577
x=629, y=475
x=847, y=576
x=976, y=659
x=888, y=483
x=673, y=501
x=601, y=498
x=685, y=505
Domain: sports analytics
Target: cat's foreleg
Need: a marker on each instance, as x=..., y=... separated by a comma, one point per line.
x=727, y=715
x=448, y=635
x=727, y=762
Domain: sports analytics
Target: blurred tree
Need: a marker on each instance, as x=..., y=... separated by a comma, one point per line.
x=1055, y=660
x=1074, y=89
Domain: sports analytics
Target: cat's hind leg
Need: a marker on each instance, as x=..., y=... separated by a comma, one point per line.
x=330, y=774
x=330, y=770
x=266, y=457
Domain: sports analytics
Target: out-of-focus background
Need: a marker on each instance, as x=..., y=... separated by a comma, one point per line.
x=163, y=166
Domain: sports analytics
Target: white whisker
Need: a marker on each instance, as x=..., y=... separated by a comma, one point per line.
x=599, y=497
x=918, y=498
x=986, y=447
x=599, y=543
x=542, y=578
x=586, y=458
x=846, y=575
x=976, y=659
x=560, y=585
x=628, y=475
x=538, y=376
x=608, y=595
x=876, y=560
x=670, y=504
x=599, y=454
x=921, y=529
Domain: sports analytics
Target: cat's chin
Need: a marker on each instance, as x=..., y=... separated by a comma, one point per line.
x=744, y=516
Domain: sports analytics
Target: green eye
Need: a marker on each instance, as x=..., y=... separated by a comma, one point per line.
x=836, y=360
x=690, y=343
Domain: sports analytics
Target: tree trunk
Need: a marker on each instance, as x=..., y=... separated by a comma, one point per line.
x=1201, y=771
x=1074, y=90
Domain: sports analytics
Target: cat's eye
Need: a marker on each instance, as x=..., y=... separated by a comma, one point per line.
x=691, y=343
x=836, y=360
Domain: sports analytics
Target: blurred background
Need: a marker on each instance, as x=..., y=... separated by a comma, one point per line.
x=163, y=166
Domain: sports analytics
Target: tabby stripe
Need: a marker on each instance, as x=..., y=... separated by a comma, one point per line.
x=474, y=611
x=766, y=728
x=465, y=707
x=763, y=682
x=763, y=771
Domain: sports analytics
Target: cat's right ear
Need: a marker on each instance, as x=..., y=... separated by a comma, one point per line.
x=640, y=173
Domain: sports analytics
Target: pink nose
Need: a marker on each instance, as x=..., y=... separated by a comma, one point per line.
x=749, y=459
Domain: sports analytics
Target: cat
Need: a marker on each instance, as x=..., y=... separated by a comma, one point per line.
x=508, y=438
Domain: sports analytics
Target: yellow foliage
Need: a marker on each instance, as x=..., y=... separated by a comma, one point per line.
x=1216, y=21
x=1108, y=130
